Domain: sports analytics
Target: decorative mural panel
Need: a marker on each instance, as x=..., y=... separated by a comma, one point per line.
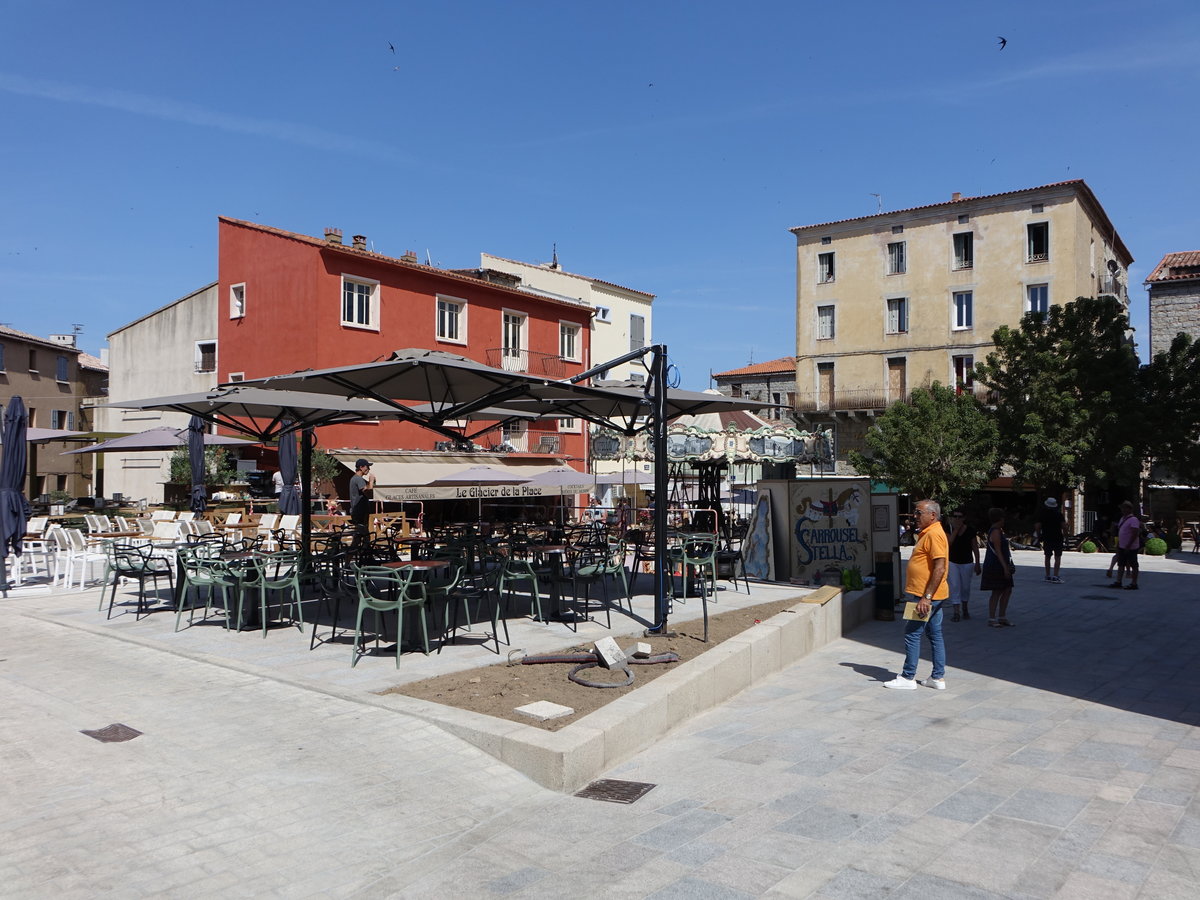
x=692, y=443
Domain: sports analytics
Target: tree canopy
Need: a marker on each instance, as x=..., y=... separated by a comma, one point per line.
x=1171, y=409
x=940, y=445
x=1066, y=391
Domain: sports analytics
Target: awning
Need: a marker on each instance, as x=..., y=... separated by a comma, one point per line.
x=401, y=480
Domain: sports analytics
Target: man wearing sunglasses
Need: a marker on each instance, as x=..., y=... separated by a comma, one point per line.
x=925, y=583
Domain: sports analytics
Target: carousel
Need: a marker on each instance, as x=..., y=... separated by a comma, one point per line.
x=715, y=459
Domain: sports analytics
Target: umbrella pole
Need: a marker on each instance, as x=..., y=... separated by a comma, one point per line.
x=658, y=416
x=306, y=441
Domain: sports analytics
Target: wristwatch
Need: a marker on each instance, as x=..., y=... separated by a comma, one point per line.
x=927, y=596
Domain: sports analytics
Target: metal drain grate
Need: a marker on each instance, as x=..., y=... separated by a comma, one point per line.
x=616, y=791
x=113, y=734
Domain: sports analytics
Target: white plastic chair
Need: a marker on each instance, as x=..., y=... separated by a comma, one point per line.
x=79, y=555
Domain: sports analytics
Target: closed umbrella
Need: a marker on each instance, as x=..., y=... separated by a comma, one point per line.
x=289, y=497
x=195, y=435
x=14, y=508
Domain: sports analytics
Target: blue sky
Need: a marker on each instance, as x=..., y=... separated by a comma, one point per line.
x=663, y=146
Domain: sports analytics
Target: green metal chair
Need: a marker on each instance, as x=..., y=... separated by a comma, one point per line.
x=384, y=589
x=274, y=573
x=520, y=571
x=201, y=570
x=136, y=563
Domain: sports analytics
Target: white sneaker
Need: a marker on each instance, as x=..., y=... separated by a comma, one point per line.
x=938, y=684
x=900, y=683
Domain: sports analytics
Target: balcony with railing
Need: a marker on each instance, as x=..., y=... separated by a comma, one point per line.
x=1111, y=286
x=527, y=361
x=868, y=399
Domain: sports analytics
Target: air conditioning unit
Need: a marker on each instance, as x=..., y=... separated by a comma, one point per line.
x=443, y=446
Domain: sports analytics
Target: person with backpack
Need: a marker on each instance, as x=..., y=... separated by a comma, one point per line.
x=1129, y=544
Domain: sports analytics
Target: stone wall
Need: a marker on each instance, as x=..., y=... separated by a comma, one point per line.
x=1174, y=307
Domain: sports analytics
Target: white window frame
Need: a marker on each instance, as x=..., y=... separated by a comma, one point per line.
x=956, y=311
x=237, y=376
x=507, y=348
x=967, y=385
x=832, y=335
x=198, y=357
x=459, y=306
x=899, y=322
x=569, y=426
x=963, y=260
x=372, y=323
x=570, y=333
x=1044, y=288
x=237, y=300
x=897, y=258
x=1030, y=256
x=826, y=268
x=603, y=314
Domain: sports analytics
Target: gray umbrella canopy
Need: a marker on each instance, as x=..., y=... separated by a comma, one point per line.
x=14, y=508
x=263, y=413
x=563, y=477
x=289, y=497
x=158, y=439
x=481, y=475
x=195, y=439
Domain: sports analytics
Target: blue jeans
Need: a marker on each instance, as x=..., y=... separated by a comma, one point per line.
x=932, y=628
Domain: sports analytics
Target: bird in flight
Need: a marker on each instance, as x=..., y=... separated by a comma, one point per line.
x=392, y=46
x=1003, y=43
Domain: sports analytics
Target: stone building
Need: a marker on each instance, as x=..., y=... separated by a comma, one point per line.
x=897, y=300
x=773, y=381
x=1174, y=287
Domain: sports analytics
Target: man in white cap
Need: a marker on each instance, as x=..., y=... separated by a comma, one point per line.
x=1050, y=527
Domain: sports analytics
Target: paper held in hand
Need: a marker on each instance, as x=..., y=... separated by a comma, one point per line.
x=910, y=612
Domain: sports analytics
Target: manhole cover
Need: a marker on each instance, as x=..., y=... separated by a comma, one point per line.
x=616, y=791
x=113, y=734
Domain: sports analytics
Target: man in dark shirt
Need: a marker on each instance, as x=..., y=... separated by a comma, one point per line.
x=1050, y=527
x=361, y=485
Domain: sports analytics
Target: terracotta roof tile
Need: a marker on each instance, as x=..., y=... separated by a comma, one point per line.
x=1077, y=184
x=783, y=365
x=5, y=331
x=1183, y=266
x=350, y=250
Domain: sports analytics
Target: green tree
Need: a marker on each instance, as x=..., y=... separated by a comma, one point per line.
x=1171, y=408
x=1066, y=391
x=940, y=445
x=219, y=467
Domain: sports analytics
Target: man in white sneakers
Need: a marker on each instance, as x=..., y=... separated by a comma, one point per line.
x=925, y=584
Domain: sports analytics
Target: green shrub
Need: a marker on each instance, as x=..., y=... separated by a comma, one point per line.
x=1156, y=547
x=1087, y=547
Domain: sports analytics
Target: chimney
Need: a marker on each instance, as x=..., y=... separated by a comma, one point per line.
x=333, y=236
x=955, y=197
x=410, y=256
x=360, y=241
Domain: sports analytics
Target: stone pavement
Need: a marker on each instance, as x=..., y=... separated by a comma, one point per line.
x=1062, y=761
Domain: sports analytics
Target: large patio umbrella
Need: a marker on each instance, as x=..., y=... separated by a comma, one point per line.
x=14, y=508
x=289, y=498
x=564, y=477
x=195, y=435
x=478, y=476
x=158, y=439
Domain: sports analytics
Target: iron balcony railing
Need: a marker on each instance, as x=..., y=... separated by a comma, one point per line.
x=527, y=361
x=867, y=399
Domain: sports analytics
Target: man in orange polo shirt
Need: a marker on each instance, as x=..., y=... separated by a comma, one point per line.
x=926, y=584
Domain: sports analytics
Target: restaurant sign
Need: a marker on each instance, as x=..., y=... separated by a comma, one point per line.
x=479, y=492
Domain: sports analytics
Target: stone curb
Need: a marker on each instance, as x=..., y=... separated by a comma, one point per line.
x=567, y=759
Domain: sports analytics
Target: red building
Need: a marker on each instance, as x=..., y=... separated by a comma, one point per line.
x=290, y=301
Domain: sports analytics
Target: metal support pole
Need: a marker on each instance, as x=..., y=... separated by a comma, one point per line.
x=658, y=418
x=306, y=442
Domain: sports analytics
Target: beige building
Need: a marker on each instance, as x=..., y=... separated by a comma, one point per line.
x=172, y=350
x=898, y=300
x=621, y=316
